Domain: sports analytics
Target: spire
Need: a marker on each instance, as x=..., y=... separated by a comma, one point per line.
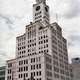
x=39, y=1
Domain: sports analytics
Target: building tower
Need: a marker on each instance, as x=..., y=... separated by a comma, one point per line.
x=41, y=52
x=76, y=60
x=2, y=73
x=76, y=68
x=41, y=12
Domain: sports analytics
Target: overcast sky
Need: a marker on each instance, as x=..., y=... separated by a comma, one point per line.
x=16, y=14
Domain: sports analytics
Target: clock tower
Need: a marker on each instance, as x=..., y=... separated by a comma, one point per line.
x=41, y=12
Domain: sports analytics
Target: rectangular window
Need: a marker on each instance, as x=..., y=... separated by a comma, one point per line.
x=40, y=73
x=10, y=65
x=26, y=74
x=39, y=66
x=26, y=61
x=26, y=68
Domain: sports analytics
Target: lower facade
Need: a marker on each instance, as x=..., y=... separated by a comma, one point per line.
x=37, y=67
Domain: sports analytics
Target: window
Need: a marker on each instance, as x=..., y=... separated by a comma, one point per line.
x=20, y=62
x=39, y=78
x=56, y=69
x=19, y=75
x=32, y=60
x=46, y=51
x=26, y=68
x=46, y=45
x=10, y=65
x=46, y=40
x=38, y=59
x=49, y=73
x=26, y=74
x=62, y=78
x=34, y=73
x=28, y=50
x=40, y=73
x=38, y=13
x=31, y=74
x=56, y=75
x=39, y=66
x=26, y=61
x=37, y=73
x=9, y=71
x=48, y=67
x=32, y=67
x=21, y=69
x=48, y=60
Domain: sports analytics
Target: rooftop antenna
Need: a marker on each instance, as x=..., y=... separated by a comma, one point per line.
x=56, y=13
x=57, y=17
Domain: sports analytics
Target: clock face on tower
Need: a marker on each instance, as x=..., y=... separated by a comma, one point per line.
x=46, y=9
x=37, y=8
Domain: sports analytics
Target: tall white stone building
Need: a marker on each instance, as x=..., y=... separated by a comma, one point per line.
x=41, y=52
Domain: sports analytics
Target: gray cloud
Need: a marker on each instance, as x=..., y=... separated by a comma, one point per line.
x=5, y=28
x=74, y=40
x=74, y=9
x=7, y=23
x=3, y=57
x=6, y=34
x=68, y=8
x=70, y=44
x=8, y=20
x=14, y=12
x=3, y=54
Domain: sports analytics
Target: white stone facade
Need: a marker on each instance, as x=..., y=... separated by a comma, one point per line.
x=38, y=42
x=40, y=52
x=11, y=70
